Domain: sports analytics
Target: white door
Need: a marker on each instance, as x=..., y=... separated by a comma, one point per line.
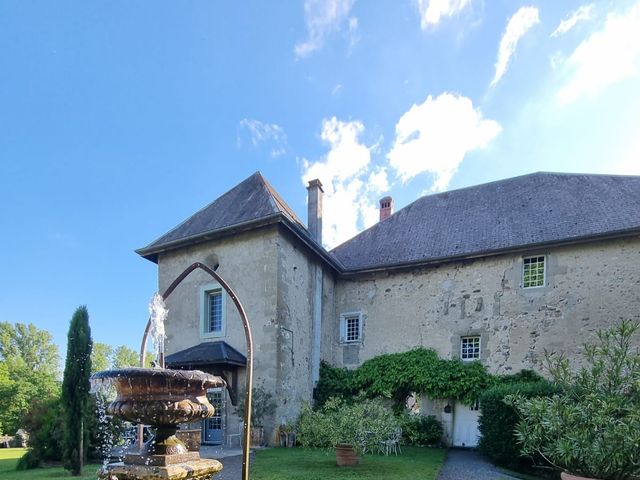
x=465, y=425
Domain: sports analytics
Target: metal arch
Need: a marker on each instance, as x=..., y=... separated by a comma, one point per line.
x=248, y=395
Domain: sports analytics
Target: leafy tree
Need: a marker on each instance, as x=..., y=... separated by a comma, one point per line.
x=75, y=390
x=29, y=369
x=101, y=355
x=124, y=356
x=28, y=345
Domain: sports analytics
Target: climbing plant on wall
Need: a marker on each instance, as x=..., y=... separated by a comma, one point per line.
x=397, y=375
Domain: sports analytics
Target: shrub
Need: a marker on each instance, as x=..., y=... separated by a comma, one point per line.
x=421, y=430
x=314, y=428
x=498, y=420
x=366, y=422
x=28, y=461
x=45, y=425
x=333, y=382
x=262, y=405
x=592, y=428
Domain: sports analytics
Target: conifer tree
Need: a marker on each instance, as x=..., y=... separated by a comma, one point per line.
x=75, y=391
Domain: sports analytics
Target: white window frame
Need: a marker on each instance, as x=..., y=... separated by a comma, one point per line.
x=203, y=299
x=544, y=270
x=343, y=327
x=479, y=353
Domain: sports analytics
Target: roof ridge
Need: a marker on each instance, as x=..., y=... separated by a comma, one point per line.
x=279, y=203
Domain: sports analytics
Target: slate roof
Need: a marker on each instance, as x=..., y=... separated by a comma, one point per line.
x=522, y=212
x=206, y=353
x=253, y=201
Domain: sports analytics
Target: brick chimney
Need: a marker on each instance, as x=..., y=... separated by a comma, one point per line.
x=314, y=216
x=386, y=207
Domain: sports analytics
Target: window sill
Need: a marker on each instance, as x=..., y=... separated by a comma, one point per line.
x=212, y=335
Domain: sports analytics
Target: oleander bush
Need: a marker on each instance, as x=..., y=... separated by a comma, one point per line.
x=365, y=422
x=592, y=427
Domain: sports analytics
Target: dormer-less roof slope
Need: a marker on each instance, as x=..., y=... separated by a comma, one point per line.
x=249, y=204
x=518, y=213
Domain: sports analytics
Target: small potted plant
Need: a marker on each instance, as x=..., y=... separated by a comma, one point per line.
x=592, y=429
x=287, y=435
x=262, y=405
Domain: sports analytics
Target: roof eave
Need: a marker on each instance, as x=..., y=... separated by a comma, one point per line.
x=318, y=249
x=490, y=253
x=204, y=363
x=151, y=253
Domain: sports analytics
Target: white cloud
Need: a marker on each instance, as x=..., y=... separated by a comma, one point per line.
x=628, y=161
x=519, y=24
x=324, y=17
x=432, y=11
x=263, y=133
x=347, y=181
x=378, y=181
x=435, y=136
x=608, y=56
x=581, y=14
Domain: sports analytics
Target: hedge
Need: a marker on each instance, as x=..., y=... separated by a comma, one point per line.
x=498, y=421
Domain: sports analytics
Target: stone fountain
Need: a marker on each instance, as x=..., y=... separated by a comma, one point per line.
x=162, y=399
x=165, y=398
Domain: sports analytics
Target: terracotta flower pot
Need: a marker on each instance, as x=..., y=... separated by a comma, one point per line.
x=257, y=436
x=568, y=476
x=346, y=456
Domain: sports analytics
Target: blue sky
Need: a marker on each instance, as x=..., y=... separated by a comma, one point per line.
x=119, y=119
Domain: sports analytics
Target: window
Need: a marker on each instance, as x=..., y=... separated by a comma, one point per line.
x=212, y=311
x=470, y=348
x=533, y=272
x=351, y=327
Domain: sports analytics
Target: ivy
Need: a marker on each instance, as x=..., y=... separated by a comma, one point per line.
x=333, y=382
x=397, y=375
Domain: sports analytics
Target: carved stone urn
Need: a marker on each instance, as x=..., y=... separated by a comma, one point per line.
x=162, y=399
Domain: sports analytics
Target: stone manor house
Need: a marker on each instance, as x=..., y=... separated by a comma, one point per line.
x=495, y=273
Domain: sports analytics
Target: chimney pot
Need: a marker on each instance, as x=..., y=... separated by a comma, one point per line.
x=386, y=207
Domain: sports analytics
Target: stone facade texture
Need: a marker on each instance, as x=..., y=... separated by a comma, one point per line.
x=273, y=276
x=587, y=287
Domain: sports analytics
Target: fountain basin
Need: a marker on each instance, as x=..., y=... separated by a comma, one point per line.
x=161, y=398
x=158, y=396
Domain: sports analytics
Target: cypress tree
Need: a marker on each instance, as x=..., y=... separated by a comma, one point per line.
x=75, y=391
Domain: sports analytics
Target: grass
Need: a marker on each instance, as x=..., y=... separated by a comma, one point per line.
x=9, y=458
x=316, y=464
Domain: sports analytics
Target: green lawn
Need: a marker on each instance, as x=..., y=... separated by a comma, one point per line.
x=313, y=464
x=9, y=457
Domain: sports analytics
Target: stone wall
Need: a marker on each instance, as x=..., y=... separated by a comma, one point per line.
x=588, y=286
x=273, y=275
x=296, y=296
x=249, y=264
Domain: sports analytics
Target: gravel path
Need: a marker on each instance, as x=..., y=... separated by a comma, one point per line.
x=468, y=465
x=232, y=468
